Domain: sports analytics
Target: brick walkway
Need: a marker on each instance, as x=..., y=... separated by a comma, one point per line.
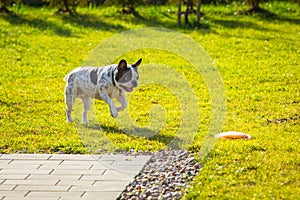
x=60, y=176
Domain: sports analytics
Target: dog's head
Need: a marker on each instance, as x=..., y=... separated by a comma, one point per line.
x=127, y=75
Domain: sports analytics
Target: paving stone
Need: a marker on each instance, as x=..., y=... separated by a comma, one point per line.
x=72, y=198
x=104, y=186
x=131, y=169
x=106, y=162
x=109, y=175
x=25, y=156
x=114, y=157
x=31, y=182
x=4, y=162
x=60, y=195
x=64, y=166
x=9, y=193
x=101, y=165
x=44, y=188
x=117, y=173
x=47, y=166
x=32, y=198
x=130, y=164
x=13, y=176
x=76, y=182
x=75, y=171
x=18, y=166
x=125, y=159
x=7, y=187
x=79, y=162
x=53, y=177
x=58, y=177
x=33, y=162
x=24, y=171
x=74, y=157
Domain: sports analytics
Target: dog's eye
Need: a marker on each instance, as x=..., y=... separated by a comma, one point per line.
x=125, y=79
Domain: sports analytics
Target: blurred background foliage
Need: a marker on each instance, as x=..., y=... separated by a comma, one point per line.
x=184, y=7
x=59, y=3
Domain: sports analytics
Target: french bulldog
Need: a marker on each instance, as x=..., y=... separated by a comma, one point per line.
x=102, y=83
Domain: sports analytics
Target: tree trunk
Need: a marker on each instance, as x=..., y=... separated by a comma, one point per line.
x=255, y=4
x=255, y=7
x=179, y=13
x=198, y=11
x=67, y=6
x=189, y=6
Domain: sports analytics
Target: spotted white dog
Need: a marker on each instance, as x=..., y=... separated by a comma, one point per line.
x=103, y=83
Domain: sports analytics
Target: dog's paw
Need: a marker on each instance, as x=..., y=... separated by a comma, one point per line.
x=85, y=121
x=120, y=108
x=69, y=119
x=114, y=112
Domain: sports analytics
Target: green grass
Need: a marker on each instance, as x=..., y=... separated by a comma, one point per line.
x=257, y=56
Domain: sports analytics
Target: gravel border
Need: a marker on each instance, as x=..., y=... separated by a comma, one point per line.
x=165, y=176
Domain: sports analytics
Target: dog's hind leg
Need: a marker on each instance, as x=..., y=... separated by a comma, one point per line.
x=86, y=105
x=69, y=100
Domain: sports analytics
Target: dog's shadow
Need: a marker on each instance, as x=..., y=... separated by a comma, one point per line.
x=133, y=132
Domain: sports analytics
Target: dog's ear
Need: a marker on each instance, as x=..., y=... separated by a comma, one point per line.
x=137, y=63
x=122, y=65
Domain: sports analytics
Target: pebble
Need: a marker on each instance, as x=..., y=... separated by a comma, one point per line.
x=165, y=176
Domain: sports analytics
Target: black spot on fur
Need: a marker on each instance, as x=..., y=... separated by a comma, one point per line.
x=124, y=75
x=79, y=91
x=97, y=96
x=94, y=76
x=71, y=78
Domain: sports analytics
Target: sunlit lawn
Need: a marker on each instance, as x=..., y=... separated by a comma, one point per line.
x=257, y=57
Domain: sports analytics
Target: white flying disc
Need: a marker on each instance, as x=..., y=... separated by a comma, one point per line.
x=233, y=135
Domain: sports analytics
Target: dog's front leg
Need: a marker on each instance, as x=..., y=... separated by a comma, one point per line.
x=123, y=101
x=112, y=107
